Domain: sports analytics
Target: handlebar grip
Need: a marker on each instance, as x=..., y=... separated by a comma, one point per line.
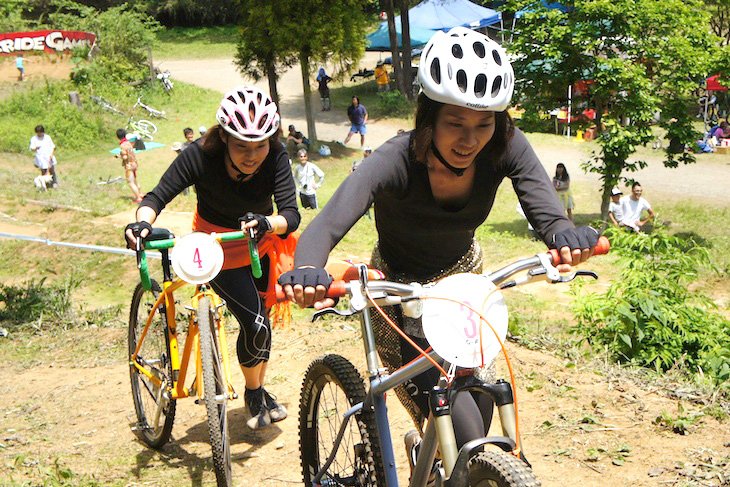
x=253, y=251
x=601, y=248
x=336, y=290
x=144, y=273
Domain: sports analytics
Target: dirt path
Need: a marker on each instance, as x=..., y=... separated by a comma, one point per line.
x=704, y=181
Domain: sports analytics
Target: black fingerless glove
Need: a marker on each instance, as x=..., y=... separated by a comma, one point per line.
x=576, y=238
x=306, y=276
x=136, y=228
x=263, y=225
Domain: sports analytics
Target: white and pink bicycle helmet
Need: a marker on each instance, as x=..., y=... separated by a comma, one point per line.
x=248, y=114
x=465, y=68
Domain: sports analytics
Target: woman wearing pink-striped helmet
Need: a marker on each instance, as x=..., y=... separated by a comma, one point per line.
x=240, y=169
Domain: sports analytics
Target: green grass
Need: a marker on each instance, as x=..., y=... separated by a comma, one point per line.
x=197, y=43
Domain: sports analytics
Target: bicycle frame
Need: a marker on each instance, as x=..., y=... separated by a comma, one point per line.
x=439, y=430
x=180, y=364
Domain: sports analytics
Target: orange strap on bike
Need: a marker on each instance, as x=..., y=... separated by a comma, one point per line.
x=281, y=260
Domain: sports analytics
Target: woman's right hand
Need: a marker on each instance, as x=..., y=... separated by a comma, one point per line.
x=307, y=287
x=136, y=230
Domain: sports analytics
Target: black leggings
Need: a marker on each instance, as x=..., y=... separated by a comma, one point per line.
x=466, y=408
x=240, y=290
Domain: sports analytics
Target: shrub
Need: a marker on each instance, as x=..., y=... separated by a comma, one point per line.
x=33, y=299
x=393, y=104
x=649, y=316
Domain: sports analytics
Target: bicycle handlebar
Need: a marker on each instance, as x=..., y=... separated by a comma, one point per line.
x=170, y=242
x=339, y=289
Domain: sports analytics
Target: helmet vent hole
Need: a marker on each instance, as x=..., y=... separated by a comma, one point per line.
x=436, y=70
x=496, y=84
x=480, y=85
x=263, y=121
x=479, y=49
x=240, y=119
x=497, y=57
x=461, y=80
x=456, y=51
x=231, y=99
x=454, y=35
x=425, y=56
x=449, y=71
x=506, y=80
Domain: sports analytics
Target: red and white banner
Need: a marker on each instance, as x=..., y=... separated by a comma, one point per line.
x=44, y=40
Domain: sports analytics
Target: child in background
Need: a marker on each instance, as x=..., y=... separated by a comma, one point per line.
x=561, y=181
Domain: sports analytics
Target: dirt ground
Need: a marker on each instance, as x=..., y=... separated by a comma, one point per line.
x=581, y=426
x=36, y=67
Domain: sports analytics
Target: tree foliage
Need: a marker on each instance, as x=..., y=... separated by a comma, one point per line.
x=261, y=51
x=639, y=57
x=720, y=18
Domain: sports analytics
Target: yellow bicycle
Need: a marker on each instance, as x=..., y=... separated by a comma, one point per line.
x=157, y=370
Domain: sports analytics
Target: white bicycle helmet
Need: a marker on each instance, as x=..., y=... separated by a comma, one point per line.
x=468, y=69
x=248, y=114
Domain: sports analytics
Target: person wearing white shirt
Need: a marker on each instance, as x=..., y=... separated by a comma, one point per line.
x=308, y=177
x=44, y=149
x=614, y=207
x=633, y=207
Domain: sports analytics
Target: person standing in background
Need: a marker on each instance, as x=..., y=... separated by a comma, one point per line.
x=19, y=64
x=358, y=116
x=324, y=91
x=305, y=174
x=129, y=163
x=561, y=181
x=44, y=149
x=381, y=77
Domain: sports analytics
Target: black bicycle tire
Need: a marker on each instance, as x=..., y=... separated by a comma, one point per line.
x=490, y=468
x=338, y=370
x=153, y=438
x=214, y=383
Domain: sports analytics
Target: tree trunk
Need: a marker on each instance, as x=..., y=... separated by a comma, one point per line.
x=390, y=10
x=407, y=75
x=304, y=64
x=272, y=77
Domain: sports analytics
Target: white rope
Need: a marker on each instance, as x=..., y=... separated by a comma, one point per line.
x=96, y=248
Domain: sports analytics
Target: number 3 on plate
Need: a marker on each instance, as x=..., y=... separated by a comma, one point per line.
x=470, y=318
x=197, y=259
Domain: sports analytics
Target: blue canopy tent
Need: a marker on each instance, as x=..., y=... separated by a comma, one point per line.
x=380, y=39
x=445, y=14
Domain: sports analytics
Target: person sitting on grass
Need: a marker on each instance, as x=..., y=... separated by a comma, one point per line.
x=633, y=207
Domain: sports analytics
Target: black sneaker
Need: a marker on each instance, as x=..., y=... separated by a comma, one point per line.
x=255, y=402
x=277, y=412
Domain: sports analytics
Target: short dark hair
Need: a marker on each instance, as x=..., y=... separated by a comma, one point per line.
x=291, y=127
x=636, y=183
x=427, y=111
x=121, y=133
x=187, y=130
x=355, y=97
x=39, y=128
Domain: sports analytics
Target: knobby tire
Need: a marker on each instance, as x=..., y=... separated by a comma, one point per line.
x=155, y=357
x=214, y=384
x=500, y=469
x=331, y=386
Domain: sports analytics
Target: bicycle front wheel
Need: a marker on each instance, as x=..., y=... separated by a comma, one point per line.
x=331, y=386
x=146, y=126
x=152, y=403
x=215, y=390
x=500, y=469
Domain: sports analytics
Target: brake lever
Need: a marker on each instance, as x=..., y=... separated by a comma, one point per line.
x=326, y=311
x=570, y=277
x=138, y=248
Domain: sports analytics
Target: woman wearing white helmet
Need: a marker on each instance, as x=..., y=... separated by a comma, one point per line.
x=237, y=168
x=431, y=188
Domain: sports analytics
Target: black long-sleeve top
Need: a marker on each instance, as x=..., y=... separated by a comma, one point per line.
x=415, y=234
x=221, y=200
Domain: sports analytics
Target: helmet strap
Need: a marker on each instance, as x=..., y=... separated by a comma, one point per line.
x=459, y=171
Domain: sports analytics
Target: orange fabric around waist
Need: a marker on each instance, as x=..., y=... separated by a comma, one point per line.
x=236, y=254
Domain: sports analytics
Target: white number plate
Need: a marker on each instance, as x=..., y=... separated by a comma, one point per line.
x=197, y=258
x=452, y=329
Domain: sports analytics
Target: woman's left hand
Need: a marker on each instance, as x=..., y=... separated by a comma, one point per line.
x=575, y=245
